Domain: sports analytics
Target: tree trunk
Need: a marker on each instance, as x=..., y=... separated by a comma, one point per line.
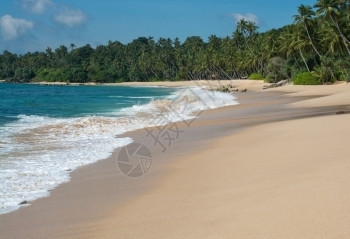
x=219, y=68
x=345, y=40
x=312, y=44
x=296, y=61
x=302, y=56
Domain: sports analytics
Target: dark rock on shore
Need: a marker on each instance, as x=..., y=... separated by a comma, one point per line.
x=23, y=202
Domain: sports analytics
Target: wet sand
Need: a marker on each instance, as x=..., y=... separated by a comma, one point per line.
x=266, y=168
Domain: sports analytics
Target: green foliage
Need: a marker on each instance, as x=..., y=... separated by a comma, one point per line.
x=256, y=76
x=324, y=74
x=307, y=78
x=61, y=75
x=318, y=41
x=45, y=74
x=109, y=75
x=276, y=69
x=344, y=75
x=23, y=74
x=295, y=71
x=342, y=67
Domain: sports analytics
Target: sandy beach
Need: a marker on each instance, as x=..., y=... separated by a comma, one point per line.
x=274, y=166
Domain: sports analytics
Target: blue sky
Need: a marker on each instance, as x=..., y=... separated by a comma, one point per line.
x=31, y=25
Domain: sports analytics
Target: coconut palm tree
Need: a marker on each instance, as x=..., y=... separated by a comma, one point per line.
x=329, y=9
x=292, y=40
x=246, y=30
x=331, y=40
x=305, y=16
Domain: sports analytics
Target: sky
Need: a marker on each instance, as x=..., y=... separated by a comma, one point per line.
x=34, y=25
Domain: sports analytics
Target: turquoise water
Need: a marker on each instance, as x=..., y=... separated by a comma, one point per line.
x=48, y=131
x=45, y=130
x=71, y=101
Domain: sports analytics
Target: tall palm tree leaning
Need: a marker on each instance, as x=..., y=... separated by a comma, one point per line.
x=305, y=17
x=247, y=29
x=329, y=9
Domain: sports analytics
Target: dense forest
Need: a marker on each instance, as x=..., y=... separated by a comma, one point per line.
x=316, y=45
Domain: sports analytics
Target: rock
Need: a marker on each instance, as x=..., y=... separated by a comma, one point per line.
x=223, y=88
x=342, y=112
x=23, y=202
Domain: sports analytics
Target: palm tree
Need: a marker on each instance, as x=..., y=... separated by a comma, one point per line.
x=305, y=17
x=331, y=40
x=329, y=9
x=292, y=40
x=72, y=46
x=246, y=30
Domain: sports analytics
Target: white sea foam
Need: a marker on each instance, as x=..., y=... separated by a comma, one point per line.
x=37, y=153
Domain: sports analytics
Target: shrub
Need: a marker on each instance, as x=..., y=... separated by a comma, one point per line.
x=277, y=70
x=296, y=70
x=344, y=75
x=256, y=76
x=343, y=69
x=24, y=74
x=267, y=79
x=324, y=74
x=307, y=78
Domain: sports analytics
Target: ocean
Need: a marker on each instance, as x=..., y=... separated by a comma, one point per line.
x=46, y=131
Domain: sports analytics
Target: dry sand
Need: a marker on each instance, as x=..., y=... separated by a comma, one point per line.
x=281, y=180
x=275, y=166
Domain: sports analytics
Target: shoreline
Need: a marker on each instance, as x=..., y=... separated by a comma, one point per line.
x=219, y=123
x=254, y=85
x=167, y=83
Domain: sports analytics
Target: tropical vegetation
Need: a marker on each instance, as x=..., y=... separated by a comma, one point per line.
x=306, y=78
x=317, y=42
x=256, y=76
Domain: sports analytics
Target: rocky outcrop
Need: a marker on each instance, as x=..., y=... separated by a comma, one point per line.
x=226, y=88
x=229, y=88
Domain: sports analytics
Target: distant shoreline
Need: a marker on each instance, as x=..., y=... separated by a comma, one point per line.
x=238, y=84
x=62, y=83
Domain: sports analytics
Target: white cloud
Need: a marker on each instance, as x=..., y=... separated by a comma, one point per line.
x=36, y=6
x=250, y=17
x=11, y=27
x=71, y=17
